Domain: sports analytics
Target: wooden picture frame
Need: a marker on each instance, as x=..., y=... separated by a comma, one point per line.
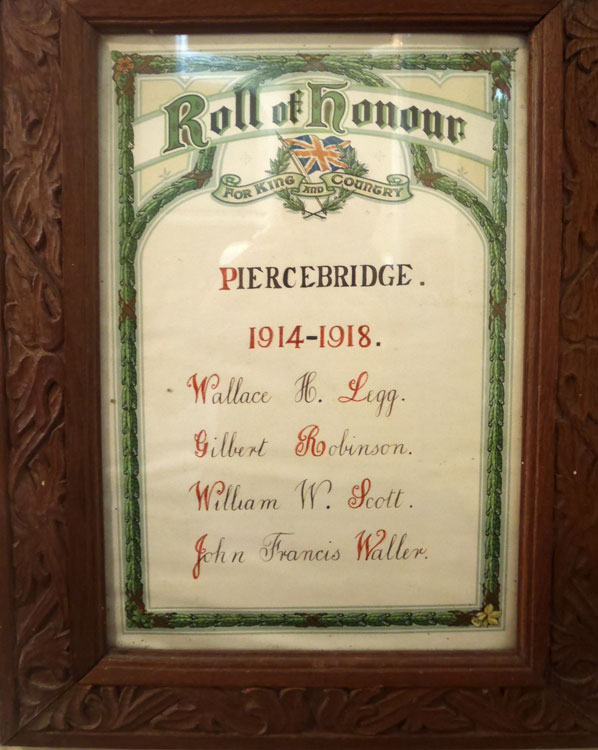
x=61, y=685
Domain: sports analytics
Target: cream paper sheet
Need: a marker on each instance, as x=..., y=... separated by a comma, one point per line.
x=312, y=405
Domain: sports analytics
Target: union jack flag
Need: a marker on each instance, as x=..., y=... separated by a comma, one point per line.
x=319, y=155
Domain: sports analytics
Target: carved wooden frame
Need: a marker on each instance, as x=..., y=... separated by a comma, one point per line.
x=60, y=684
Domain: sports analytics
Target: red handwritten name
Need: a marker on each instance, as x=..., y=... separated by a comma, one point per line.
x=365, y=545
x=204, y=496
x=201, y=550
x=355, y=386
x=201, y=389
x=308, y=443
x=201, y=443
x=360, y=492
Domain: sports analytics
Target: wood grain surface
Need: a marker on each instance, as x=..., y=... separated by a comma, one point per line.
x=59, y=686
x=272, y=15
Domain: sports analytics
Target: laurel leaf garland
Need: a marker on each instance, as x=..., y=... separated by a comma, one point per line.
x=493, y=226
x=132, y=226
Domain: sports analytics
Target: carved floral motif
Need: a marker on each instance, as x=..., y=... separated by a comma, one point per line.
x=34, y=339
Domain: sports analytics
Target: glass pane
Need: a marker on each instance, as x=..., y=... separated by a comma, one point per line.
x=313, y=258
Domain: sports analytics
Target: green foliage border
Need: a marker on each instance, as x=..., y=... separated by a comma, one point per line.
x=132, y=224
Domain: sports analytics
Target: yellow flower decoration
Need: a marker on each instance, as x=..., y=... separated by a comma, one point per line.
x=124, y=64
x=489, y=617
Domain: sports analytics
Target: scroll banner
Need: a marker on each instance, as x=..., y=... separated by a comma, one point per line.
x=230, y=189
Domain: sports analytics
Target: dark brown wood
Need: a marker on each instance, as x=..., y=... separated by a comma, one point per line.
x=81, y=345
x=8, y=691
x=36, y=646
x=575, y=579
x=132, y=699
x=541, y=344
x=268, y=15
x=313, y=669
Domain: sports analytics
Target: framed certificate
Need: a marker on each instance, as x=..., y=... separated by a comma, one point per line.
x=284, y=343
x=312, y=274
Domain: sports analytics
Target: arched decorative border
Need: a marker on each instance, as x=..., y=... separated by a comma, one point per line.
x=133, y=223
